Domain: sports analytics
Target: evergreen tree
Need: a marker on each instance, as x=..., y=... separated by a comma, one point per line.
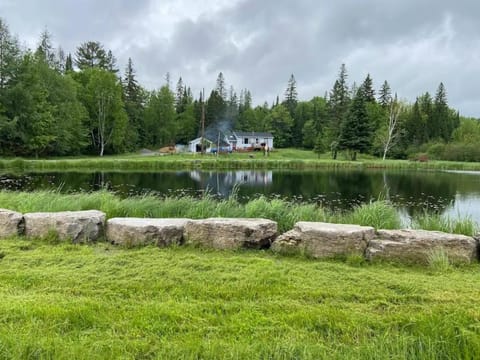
x=180, y=91
x=385, y=95
x=111, y=62
x=60, y=60
x=337, y=110
x=45, y=50
x=9, y=55
x=68, y=64
x=215, y=109
x=432, y=131
x=415, y=127
x=134, y=98
x=441, y=114
x=367, y=89
x=232, y=108
x=160, y=118
x=291, y=96
x=355, y=135
x=221, y=88
x=91, y=54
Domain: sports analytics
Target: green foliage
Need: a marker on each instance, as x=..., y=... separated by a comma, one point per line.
x=92, y=54
x=468, y=131
x=355, y=133
x=108, y=120
x=160, y=118
x=280, y=124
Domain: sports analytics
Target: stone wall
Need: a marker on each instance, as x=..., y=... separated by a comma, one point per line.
x=313, y=239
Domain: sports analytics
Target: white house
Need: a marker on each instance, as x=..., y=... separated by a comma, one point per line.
x=236, y=140
x=250, y=139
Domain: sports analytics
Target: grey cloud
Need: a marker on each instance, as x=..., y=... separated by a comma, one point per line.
x=258, y=44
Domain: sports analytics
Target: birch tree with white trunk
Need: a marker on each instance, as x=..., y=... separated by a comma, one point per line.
x=389, y=135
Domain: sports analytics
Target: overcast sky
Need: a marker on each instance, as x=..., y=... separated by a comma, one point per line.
x=257, y=44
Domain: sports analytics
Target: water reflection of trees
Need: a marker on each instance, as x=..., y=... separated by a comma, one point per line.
x=421, y=191
x=414, y=191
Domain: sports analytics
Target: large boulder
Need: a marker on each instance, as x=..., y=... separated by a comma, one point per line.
x=11, y=223
x=77, y=226
x=225, y=233
x=143, y=231
x=324, y=240
x=416, y=246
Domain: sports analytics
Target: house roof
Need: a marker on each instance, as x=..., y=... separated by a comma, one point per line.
x=199, y=139
x=253, y=134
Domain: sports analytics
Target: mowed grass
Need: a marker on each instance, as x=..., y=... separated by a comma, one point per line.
x=278, y=159
x=69, y=301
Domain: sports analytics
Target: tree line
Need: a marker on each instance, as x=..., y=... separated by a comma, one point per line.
x=56, y=104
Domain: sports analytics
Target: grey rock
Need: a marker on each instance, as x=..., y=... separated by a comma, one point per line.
x=226, y=233
x=77, y=226
x=324, y=240
x=143, y=231
x=11, y=223
x=415, y=246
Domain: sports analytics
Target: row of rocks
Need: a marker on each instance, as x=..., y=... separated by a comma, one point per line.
x=314, y=239
x=323, y=240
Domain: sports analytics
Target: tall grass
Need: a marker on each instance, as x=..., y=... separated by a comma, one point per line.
x=437, y=222
x=279, y=159
x=379, y=214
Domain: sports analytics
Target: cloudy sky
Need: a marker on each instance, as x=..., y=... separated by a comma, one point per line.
x=257, y=44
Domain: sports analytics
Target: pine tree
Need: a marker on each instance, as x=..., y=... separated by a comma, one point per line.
x=133, y=96
x=441, y=114
x=385, y=95
x=291, y=96
x=69, y=63
x=9, y=55
x=367, y=89
x=355, y=135
x=45, y=50
x=415, y=131
x=111, y=62
x=221, y=87
x=180, y=90
x=337, y=110
x=432, y=131
x=91, y=54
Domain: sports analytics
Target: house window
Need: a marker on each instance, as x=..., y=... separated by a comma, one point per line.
x=245, y=141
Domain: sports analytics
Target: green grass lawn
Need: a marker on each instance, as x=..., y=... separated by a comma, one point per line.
x=63, y=301
x=278, y=159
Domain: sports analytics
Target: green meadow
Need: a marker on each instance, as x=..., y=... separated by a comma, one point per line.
x=64, y=301
x=279, y=159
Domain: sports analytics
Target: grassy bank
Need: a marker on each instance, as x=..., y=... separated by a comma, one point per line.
x=100, y=302
x=280, y=159
x=380, y=214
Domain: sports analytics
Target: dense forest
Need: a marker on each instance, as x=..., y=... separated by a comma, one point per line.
x=55, y=104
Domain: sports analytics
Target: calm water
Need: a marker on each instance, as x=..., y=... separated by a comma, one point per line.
x=453, y=193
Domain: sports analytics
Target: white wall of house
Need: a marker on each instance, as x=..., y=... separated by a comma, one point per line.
x=247, y=142
x=192, y=145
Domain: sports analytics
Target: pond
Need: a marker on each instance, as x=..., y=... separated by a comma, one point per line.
x=454, y=193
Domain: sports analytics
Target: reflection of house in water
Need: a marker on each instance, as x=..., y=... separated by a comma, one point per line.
x=222, y=183
x=251, y=177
